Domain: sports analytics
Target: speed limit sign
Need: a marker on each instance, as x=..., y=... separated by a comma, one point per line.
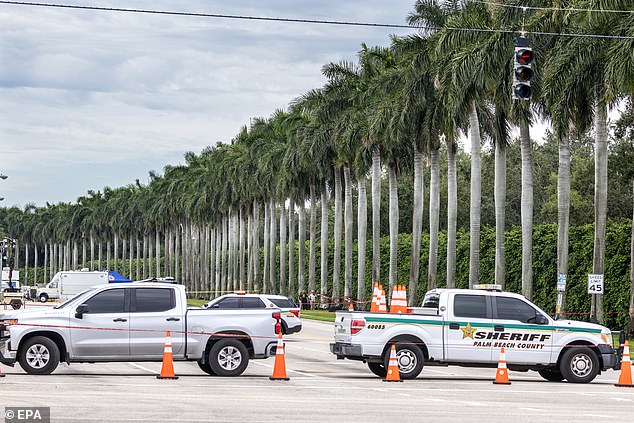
x=595, y=284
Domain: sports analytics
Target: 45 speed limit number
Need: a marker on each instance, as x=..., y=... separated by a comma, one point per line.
x=595, y=284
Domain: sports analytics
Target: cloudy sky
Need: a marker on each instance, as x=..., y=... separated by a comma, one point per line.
x=91, y=99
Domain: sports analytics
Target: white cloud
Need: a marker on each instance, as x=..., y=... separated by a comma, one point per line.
x=91, y=98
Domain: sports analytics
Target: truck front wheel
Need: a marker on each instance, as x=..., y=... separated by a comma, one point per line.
x=39, y=356
x=579, y=364
x=551, y=374
x=228, y=357
x=43, y=298
x=410, y=360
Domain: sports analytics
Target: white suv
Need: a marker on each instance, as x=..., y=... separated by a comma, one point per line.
x=291, y=322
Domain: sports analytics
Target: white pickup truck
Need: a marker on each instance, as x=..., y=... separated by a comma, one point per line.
x=128, y=323
x=468, y=328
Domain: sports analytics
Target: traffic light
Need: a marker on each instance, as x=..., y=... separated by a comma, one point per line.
x=522, y=68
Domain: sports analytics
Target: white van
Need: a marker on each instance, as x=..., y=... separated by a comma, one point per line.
x=68, y=283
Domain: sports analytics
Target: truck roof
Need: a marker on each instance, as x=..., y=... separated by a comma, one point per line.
x=475, y=291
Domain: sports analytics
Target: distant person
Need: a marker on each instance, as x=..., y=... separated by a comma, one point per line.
x=304, y=301
x=311, y=300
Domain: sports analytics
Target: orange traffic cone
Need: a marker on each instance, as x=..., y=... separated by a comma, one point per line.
x=393, y=375
x=502, y=373
x=167, y=369
x=279, y=369
x=626, y=368
x=351, y=306
x=374, y=307
x=382, y=304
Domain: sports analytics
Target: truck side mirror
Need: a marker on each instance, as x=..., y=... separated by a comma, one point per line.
x=81, y=310
x=541, y=320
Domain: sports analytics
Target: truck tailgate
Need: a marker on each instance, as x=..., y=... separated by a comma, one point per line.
x=343, y=320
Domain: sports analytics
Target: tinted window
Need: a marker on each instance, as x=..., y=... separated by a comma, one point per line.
x=470, y=306
x=229, y=302
x=252, y=302
x=283, y=302
x=111, y=301
x=431, y=300
x=515, y=309
x=154, y=299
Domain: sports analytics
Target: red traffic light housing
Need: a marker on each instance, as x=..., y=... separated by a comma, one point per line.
x=523, y=73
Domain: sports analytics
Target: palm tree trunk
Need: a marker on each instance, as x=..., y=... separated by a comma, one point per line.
x=527, y=211
x=600, y=202
x=157, y=244
x=256, y=247
x=630, y=323
x=26, y=263
x=362, y=233
x=376, y=216
x=250, y=262
x=291, y=249
x=324, y=244
x=230, y=250
x=272, y=243
x=242, y=251
x=434, y=218
x=283, y=230
x=108, y=248
x=92, y=251
x=347, y=286
x=267, y=246
x=116, y=252
x=500, y=211
x=217, y=282
x=83, y=252
x=452, y=213
x=563, y=210
x=225, y=243
x=336, y=268
x=75, y=255
x=393, y=224
x=138, y=258
x=124, y=256
x=313, y=238
x=417, y=224
x=36, y=257
x=301, y=254
x=476, y=192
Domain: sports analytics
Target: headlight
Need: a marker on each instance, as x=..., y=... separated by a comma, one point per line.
x=9, y=322
x=607, y=338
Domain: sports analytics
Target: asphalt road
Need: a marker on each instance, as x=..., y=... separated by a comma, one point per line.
x=321, y=389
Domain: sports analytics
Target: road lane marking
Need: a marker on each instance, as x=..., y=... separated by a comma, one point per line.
x=145, y=369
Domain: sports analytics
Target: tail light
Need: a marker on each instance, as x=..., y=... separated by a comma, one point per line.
x=295, y=312
x=278, y=325
x=356, y=325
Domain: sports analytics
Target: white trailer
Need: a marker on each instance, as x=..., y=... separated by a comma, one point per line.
x=68, y=283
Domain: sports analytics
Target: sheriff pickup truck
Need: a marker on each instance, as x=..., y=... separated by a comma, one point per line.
x=129, y=322
x=468, y=328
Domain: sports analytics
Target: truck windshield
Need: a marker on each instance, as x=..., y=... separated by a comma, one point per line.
x=74, y=298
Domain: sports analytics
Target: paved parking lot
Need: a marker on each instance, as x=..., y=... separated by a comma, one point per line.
x=321, y=388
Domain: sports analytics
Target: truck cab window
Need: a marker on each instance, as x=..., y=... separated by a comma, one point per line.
x=515, y=309
x=252, y=302
x=474, y=306
x=229, y=302
x=110, y=301
x=154, y=300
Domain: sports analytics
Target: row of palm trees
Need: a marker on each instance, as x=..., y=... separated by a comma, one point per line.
x=226, y=218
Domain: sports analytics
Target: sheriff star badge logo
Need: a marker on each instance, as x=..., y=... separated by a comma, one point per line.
x=468, y=331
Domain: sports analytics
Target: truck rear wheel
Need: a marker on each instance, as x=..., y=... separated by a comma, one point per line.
x=378, y=369
x=228, y=357
x=579, y=364
x=39, y=356
x=410, y=360
x=205, y=367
